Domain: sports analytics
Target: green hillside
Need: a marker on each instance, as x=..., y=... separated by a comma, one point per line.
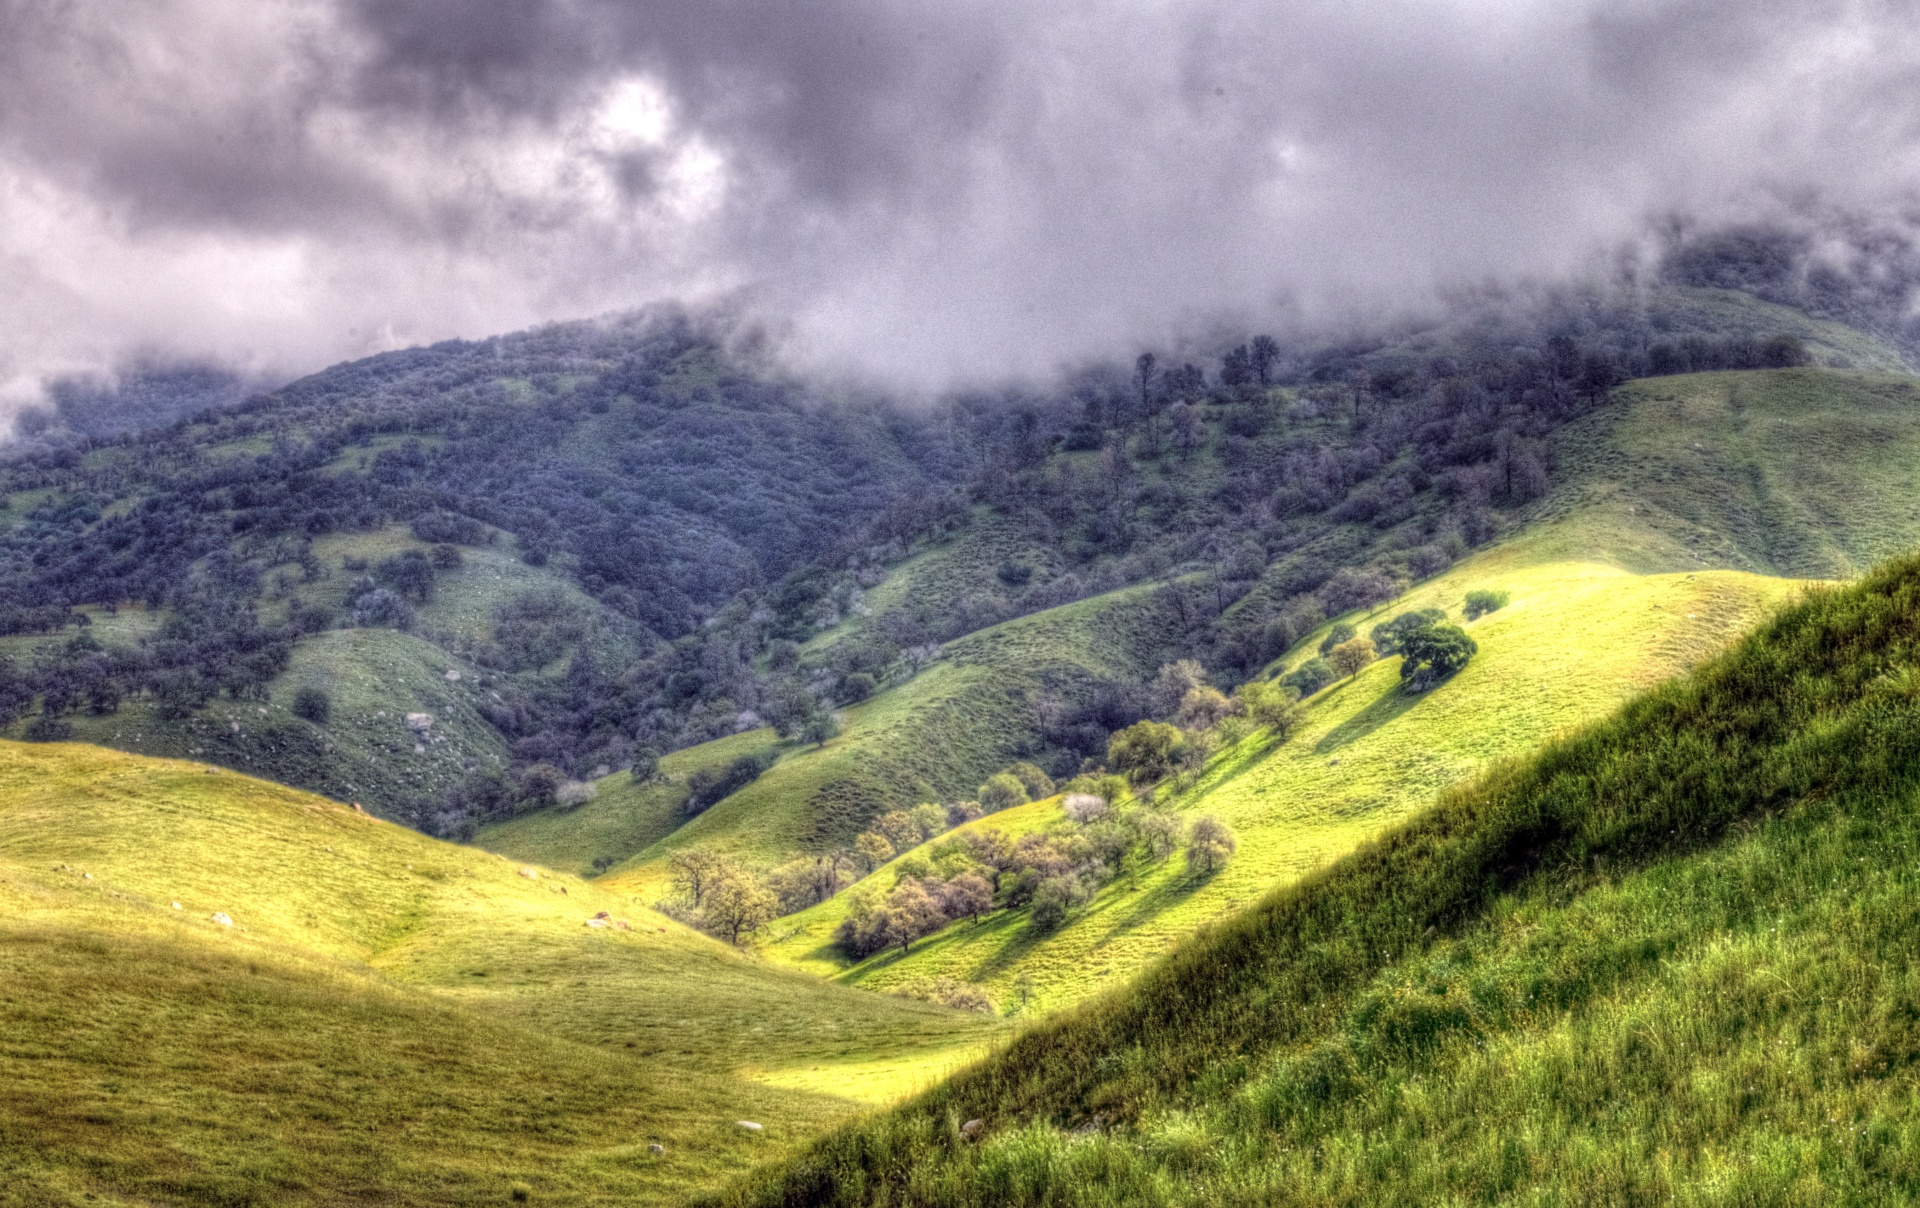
x=1577, y=641
x=381, y=1014
x=935, y=738
x=1830, y=459
x=1667, y=958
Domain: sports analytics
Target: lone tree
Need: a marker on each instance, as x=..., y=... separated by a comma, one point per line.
x=1210, y=844
x=1350, y=656
x=1432, y=654
x=313, y=705
x=693, y=871
x=1143, y=373
x=737, y=904
x=1273, y=705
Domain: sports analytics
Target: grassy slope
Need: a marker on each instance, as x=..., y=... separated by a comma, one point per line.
x=1810, y=474
x=624, y=818
x=934, y=738
x=389, y=1016
x=1668, y=958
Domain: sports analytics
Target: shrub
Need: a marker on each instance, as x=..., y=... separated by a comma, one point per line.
x=899, y=828
x=1432, y=654
x=1482, y=601
x=1014, y=573
x=312, y=704
x=1210, y=844
x=447, y=557
x=820, y=728
x=1386, y=636
x=1341, y=632
x=1002, y=791
x=1309, y=677
x=1037, y=783
x=539, y=787
x=963, y=811
x=930, y=818
x=646, y=765
x=48, y=728
x=856, y=688
x=1052, y=901
x=709, y=785
x=1351, y=656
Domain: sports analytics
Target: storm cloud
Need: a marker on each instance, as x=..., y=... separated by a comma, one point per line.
x=923, y=194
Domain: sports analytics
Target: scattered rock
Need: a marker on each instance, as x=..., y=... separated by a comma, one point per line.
x=419, y=723
x=453, y=677
x=596, y=922
x=86, y=876
x=749, y=1125
x=1334, y=762
x=236, y=727
x=358, y=808
x=176, y=906
x=603, y=915
x=972, y=1129
x=418, y=749
x=530, y=874
x=656, y=1149
x=220, y=917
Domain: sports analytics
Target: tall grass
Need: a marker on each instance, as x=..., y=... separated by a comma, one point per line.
x=1665, y=958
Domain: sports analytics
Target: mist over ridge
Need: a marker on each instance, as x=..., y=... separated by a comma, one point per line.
x=917, y=199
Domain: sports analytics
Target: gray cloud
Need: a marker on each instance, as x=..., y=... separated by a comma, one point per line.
x=920, y=193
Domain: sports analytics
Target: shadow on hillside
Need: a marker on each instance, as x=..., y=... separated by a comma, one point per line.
x=1389, y=705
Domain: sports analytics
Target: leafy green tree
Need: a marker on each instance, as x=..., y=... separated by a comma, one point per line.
x=1002, y=790
x=1432, y=654
x=1210, y=844
x=1146, y=751
x=1172, y=683
x=646, y=765
x=693, y=870
x=1273, y=705
x=1037, y=783
x=1386, y=636
x=1482, y=601
x=900, y=829
x=931, y=818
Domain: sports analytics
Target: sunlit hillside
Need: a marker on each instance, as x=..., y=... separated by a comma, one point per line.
x=217, y=986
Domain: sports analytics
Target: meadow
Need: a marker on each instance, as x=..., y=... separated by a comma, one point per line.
x=339, y=1009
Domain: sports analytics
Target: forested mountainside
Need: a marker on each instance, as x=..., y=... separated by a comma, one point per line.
x=449, y=581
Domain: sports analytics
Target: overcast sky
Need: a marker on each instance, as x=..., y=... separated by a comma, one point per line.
x=927, y=193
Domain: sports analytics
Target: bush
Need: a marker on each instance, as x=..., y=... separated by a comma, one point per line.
x=1309, y=677
x=1341, y=632
x=1172, y=683
x=1210, y=844
x=447, y=557
x=646, y=765
x=1433, y=654
x=709, y=785
x=856, y=688
x=1386, y=636
x=1483, y=601
x=1037, y=783
x=312, y=704
x=48, y=728
x=539, y=787
x=1002, y=791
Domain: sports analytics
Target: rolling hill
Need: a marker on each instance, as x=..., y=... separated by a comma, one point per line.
x=1810, y=475
x=1665, y=957
x=222, y=990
